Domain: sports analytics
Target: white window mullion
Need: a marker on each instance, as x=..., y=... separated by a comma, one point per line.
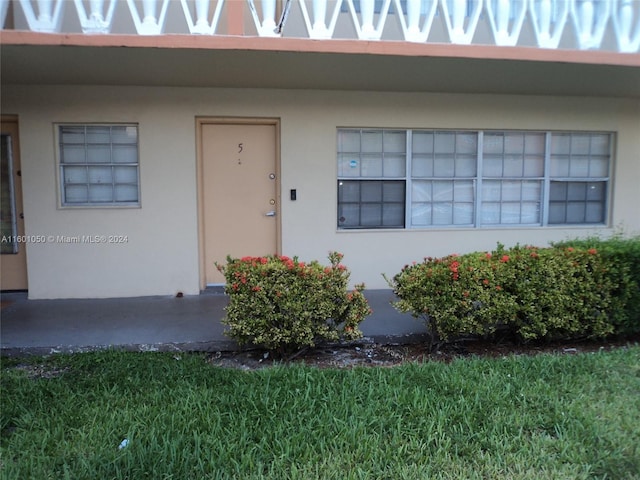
x=479, y=167
x=408, y=182
x=546, y=188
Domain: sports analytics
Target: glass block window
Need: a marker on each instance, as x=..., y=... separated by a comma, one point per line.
x=434, y=178
x=99, y=165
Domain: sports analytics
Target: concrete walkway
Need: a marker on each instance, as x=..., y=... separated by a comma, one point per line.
x=154, y=323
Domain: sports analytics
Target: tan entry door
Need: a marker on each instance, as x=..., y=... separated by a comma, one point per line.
x=239, y=194
x=13, y=257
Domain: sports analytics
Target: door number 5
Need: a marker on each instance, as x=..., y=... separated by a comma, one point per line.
x=240, y=147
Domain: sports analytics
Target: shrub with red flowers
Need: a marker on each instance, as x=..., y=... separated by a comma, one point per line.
x=533, y=293
x=283, y=304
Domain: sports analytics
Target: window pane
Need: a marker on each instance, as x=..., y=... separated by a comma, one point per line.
x=99, y=154
x=395, y=141
x=467, y=143
x=557, y=213
x=76, y=194
x=575, y=212
x=349, y=215
x=98, y=135
x=443, y=191
x=596, y=191
x=510, y=213
x=558, y=191
x=394, y=165
x=371, y=166
x=576, y=191
x=422, y=166
x=100, y=193
x=534, y=143
x=560, y=144
x=463, y=214
x=422, y=142
x=514, y=143
x=348, y=165
x=491, y=191
x=125, y=154
x=393, y=192
x=421, y=191
x=465, y=166
x=443, y=167
x=72, y=154
x=442, y=214
x=124, y=134
x=493, y=143
x=75, y=174
x=559, y=166
x=71, y=134
x=531, y=191
x=513, y=166
x=530, y=213
x=599, y=167
x=100, y=175
x=372, y=141
x=126, y=193
x=490, y=214
x=580, y=144
x=393, y=215
x=371, y=214
x=594, y=212
x=348, y=192
x=511, y=191
x=492, y=166
x=421, y=214
x=125, y=175
x=348, y=141
x=533, y=166
x=463, y=192
x=579, y=167
x=371, y=191
x=600, y=144
x=445, y=142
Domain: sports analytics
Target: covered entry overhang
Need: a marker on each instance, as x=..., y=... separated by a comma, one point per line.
x=283, y=63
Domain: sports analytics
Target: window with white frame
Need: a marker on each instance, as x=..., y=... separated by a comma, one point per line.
x=99, y=165
x=445, y=178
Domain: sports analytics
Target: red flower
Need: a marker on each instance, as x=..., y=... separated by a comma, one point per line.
x=263, y=260
x=592, y=251
x=570, y=249
x=534, y=255
x=487, y=255
x=465, y=294
x=485, y=281
x=504, y=259
x=498, y=288
x=256, y=289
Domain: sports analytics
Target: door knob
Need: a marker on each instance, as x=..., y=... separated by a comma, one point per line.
x=272, y=213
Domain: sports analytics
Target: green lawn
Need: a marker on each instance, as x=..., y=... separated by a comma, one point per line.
x=542, y=417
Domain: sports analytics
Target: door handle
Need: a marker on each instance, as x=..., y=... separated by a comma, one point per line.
x=272, y=213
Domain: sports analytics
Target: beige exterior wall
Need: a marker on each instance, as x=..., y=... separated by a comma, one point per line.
x=161, y=255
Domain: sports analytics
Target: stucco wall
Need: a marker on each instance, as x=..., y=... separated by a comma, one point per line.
x=161, y=255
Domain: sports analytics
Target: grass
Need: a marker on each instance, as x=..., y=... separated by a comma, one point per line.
x=542, y=417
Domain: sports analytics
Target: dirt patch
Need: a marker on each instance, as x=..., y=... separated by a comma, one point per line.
x=380, y=355
x=41, y=371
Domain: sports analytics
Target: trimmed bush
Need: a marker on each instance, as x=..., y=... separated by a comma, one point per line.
x=284, y=305
x=622, y=256
x=563, y=292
